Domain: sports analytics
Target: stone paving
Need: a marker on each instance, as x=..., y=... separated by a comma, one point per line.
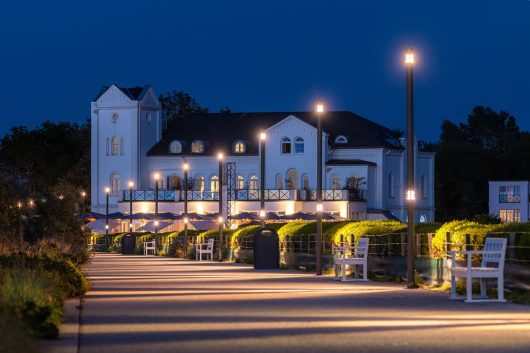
x=157, y=304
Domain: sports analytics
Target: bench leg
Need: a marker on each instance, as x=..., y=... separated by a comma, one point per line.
x=500, y=288
x=469, y=288
x=365, y=271
x=344, y=272
x=336, y=267
x=453, y=287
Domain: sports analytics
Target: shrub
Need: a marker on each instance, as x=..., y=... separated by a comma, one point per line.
x=358, y=229
x=241, y=233
x=423, y=228
x=458, y=231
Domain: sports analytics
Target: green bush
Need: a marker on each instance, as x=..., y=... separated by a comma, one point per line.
x=362, y=228
x=423, y=228
x=241, y=233
x=458, y=231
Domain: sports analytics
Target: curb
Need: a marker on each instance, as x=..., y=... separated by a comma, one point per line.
x=68, y=340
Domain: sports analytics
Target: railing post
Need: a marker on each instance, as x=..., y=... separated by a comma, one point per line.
x=429, y=243
x=468, y=242
x=388, y=245
x=511, y=248
x=418, y=244
x=403, y=243
x=447, y=242
x=341, y=239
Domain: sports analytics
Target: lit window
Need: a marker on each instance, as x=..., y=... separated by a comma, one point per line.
x=510, y=216
x=286, y=145
x=335, y=182
x=510, y=194
x=198, y=185
x=240, y=147
x=114, y=184
x=214, y=183
x=298, y=145
x=240, y=182
x=175, y=147
x=197, y=147
x=253, y=182
x=115, y=146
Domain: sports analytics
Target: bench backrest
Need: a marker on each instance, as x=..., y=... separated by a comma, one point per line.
x=499, y=246
x=361, y=250
x=209, y=245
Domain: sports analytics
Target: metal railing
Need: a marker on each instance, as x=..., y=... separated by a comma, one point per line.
x=149, y=195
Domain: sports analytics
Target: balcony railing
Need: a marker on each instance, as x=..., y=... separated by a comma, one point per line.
x=270, y=195
x=149, y=195
x=509, y=198
x=333, y=195
x=202, y=195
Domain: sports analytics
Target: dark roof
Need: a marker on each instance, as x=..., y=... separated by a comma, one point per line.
x=134, y=93
x=350, y=162
x=221, y=130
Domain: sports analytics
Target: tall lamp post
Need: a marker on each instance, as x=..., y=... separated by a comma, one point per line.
x=157, y=177
x=220, y=219
x=185, y=167
x=83, y=197
x=131, y=185
x=262, y=139
x=107, y=193
x=410, y=194
x=318, y=244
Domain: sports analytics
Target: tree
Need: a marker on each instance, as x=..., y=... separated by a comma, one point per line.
x=177, y=104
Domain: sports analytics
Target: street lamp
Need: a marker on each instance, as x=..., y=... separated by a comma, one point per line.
x=262, y=140
x=131, y=185
x=410, y=193
x=318, y=241
x=83, y=197
x=220, y=219
x=107, y=193
x=185, y=167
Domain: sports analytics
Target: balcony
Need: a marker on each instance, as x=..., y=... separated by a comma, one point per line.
x=149, y=195
x=332, y=195
x=509, y=198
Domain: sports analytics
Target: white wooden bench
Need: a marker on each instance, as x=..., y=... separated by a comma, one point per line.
x=149, y=246
x=345, y=255
x=204, y=248
x=492, y=266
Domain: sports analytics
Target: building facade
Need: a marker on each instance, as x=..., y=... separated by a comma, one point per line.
x=508, y=200
x=364, y=164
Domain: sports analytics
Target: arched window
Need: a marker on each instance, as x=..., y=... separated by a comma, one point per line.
x=114, y=184
x=390, y=185
x=279, y=182
x=214, y=183
x=197, y=147
x=240, y=147
x=298, y=145
x=292, y=179
x=286, y=145
x=122, y=147
x=334, y=183
x=253, y=182
x=305, y=182
x=175, y=147
x=341, y=139
x=423, y=186
x=240, y=182
x=115, y=146
x=198, y=185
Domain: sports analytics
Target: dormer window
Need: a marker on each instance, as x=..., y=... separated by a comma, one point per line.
x=341, y=139
x=197, y=147
x=286, y=145
x=175, y=147
x=240, y=147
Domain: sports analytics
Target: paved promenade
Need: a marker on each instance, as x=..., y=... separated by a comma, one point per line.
x=156, y=304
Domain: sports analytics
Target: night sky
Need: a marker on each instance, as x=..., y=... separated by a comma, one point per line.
x=255, y=55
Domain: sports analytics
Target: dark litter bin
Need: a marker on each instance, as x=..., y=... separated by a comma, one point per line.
x=266, y=250
x=128, y=244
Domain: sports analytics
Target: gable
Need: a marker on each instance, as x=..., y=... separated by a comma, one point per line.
x=113, y=97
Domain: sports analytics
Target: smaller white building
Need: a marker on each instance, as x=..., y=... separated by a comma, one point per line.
x=508, y=200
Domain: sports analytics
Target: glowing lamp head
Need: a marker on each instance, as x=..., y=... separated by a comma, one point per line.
x=19, y=204
x=107, y=190
x=106, y=226
x=262, y=214
x=83, y=194
x=220, y=220
x=320, y=207
x=320, y=108
x=262, y=136
x=131, y=184
x=185, y=166
x=130, y=225
x=186, y=220
x=156, y=223
x=409, y=57
x=411, y=195
x=157, y=176
x=220, y=156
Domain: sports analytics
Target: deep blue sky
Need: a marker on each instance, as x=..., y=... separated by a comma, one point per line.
x=273, y=55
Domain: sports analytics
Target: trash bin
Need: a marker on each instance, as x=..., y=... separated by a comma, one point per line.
x=266, y=249
x=128, y=243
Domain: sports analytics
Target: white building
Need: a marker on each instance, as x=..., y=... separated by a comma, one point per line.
x=508, y=200
x=129, y=143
